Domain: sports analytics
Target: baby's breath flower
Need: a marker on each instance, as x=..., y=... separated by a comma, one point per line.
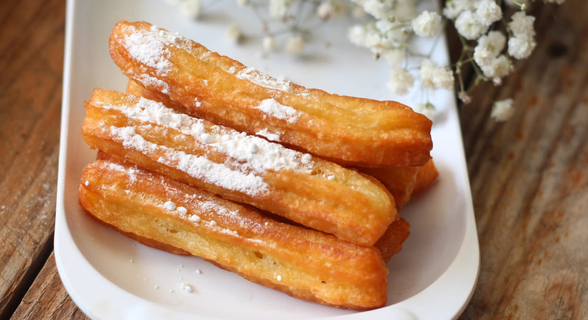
x=242, y=3
x=454, y=7
x=464, y=97
x=502, y=110
x=489, y=47
x=378, y=37
x=522, y=25
x=330, y=9
x=400, y=80
x=427, y=109
x=269, y=43
x=295, y=45
x=427, y=24
x=233, y=34
x=402, y=9
x=394, y=56
x=521, y=48
x=497, y=68
x=325, y=10
x=435, y=77
x=278, y=8
x=469, y=25
x=191, y=8
x=488, y=12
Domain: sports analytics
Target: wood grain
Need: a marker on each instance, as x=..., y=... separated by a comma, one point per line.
x=31, y=55
x=529, y=179
x=47, y=298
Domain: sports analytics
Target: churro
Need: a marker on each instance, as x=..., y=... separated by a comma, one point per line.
x=303, y=263
x=350, y=131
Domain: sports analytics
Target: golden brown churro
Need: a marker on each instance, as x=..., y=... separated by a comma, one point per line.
x=304, y=263
x=347, y=130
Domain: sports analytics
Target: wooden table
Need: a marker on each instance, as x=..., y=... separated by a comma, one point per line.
x=529, y=175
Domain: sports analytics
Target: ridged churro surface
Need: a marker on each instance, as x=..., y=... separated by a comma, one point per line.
x=303, y=263
x=350, y=131
x=247, y=169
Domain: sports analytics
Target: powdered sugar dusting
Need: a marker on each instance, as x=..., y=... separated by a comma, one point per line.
x=147, y=50
x=195, y=166
x=154, y=82
x=131, y=172
x=250, y=152
x=273, y=108
x=270, y=136
x=264, y=80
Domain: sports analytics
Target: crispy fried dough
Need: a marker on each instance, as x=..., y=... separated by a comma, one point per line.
x=314, y=192
x=425, y=177
x=400, y=181
x=391, y=242
x=303, y=263
x=350, y=131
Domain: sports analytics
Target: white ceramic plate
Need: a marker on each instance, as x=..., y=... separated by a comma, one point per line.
x=112, y=277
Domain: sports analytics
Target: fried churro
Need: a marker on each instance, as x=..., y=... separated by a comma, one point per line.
x=303, y=263
x=347, y=130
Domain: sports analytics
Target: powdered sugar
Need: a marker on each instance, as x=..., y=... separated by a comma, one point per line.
x=273, y=108
x=147, y=50
x=196, y=166
x=154, y=82
x=270, y=136
x=264, y=80
x=250, y=152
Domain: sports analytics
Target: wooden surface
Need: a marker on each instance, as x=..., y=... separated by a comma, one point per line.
x=529, y=175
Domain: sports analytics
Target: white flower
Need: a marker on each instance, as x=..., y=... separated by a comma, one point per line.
x=394, y=56
x=489, y=47
x=469, y=26
x=378, y=9
x=400, y=80
x=233, y=33
x=435, y=77
x=325, y=10
x=521, y=48
x=295, y=45
x=242, y=3
x=426, y=109
x=330, y=9
x=453, y=8
x=502, y=110
x=378, y=37
x=497, y=68
x=522, y=25
x=464, y=97
x=191, y=8
x=269, y=43
x=488, y=12
x=277, y=8
x=427, y=24
x=404, y=10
